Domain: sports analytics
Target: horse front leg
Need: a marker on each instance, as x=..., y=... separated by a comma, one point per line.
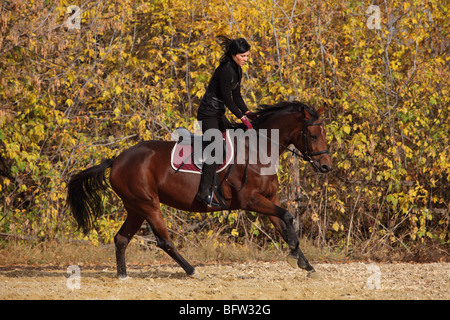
x=283, y=221
x=296, y=258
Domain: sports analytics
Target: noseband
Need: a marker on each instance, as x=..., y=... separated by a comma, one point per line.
x=307, y=154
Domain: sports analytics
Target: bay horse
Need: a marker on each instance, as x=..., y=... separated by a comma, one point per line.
x=143, y=178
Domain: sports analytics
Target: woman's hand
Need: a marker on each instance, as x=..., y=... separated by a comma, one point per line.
x=247, y=123
x=251, y=115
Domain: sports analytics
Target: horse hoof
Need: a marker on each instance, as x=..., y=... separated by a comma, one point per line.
x=313, y=274
x=197, y=275
x=292, y=261
x=302, y=264
x=124, y=278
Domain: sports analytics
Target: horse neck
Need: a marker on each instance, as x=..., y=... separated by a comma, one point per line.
x=288, y=126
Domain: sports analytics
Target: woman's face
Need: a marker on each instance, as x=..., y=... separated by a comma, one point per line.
x=241, y=58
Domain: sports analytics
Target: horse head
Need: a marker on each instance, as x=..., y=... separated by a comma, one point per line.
x=311, y=140
x=300, y=126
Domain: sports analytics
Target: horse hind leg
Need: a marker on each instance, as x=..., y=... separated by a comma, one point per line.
x=121, y=240
x=155, y=219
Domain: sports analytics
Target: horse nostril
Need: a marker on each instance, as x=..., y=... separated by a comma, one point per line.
x=325, y=168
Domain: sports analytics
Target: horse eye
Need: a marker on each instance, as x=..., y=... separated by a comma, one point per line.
x=314, y=137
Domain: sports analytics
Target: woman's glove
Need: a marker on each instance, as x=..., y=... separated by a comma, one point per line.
x=246, y=122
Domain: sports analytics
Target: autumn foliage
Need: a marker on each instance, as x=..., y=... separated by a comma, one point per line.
x=80, y=81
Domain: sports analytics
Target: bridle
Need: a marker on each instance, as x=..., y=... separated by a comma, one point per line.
x=307, y=154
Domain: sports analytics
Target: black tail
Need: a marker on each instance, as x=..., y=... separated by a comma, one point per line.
x=84, y=194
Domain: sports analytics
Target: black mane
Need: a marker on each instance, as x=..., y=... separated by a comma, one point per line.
x=266, y=111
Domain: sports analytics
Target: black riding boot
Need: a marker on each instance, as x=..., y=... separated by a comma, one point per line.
x=208, y=185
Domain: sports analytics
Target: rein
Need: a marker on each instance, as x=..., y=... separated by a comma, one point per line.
x=305, y=155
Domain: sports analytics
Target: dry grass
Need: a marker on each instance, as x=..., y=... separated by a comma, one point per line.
x=199, y=252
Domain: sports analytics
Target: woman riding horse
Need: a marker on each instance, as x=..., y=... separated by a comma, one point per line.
x=224, y=91
x=143, y=178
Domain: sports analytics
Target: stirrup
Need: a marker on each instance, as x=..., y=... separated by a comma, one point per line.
x=209, y=201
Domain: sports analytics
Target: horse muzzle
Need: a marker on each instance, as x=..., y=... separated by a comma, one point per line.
x=324, y=168
x=320, y=165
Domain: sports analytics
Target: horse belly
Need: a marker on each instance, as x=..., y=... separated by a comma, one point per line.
x=178, y=190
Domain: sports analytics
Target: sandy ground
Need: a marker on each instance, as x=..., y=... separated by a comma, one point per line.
x=233, y=281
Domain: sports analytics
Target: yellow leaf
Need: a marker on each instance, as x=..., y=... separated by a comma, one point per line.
x=71, y=77
x=312, y=63
x=118, y=90
x=336, y=226
x=315, y=217
x=346, y=129
x=69, y=102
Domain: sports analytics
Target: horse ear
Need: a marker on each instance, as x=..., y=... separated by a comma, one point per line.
x=306, y=114
x=320, y=111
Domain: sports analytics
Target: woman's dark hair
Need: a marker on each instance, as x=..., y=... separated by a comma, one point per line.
x=232, y=47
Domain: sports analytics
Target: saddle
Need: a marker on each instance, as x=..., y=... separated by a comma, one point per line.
x=186, y=158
